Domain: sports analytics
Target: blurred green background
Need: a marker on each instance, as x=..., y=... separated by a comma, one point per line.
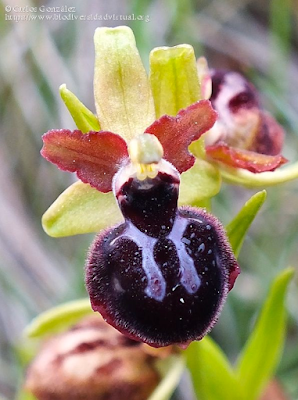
x=258, y=38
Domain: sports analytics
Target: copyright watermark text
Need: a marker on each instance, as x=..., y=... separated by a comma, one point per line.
x=63, y=13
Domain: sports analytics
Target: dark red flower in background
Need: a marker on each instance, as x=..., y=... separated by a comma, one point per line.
x=244, y=135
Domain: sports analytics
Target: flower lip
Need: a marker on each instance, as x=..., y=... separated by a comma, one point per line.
x=165, y=290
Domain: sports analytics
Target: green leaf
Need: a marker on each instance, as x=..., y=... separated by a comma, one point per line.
x=246, y=178
x=58, y=318
x=81, y=209
x=171, y=369
x=238, y=227
x=200, y=182
x=174, y=78
x=123, y=97
x=263, y=349
x=280, y=30
x=84, y=119
x=24, y=395
x=212, y=375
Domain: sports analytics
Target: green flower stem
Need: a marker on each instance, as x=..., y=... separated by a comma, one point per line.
x=173, y=368
x=263, y=179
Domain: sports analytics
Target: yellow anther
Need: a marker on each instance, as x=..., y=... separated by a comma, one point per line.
x=146, y=171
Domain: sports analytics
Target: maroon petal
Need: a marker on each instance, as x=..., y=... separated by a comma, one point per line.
x=245, y=159
x=95, y=156
x=176, y=133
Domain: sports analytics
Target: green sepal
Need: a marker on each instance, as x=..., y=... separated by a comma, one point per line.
x=200, y=182
x=248, y=179
x=171, y=370
x=58, y=319
x=84, y=119
x=262, y=352
x=81, y=209
x=197, y=148
x=173, y=78
x=240, y=224
x=212, y=375
x=123, y=97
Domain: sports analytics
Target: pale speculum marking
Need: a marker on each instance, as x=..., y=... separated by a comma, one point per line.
x=156, y=286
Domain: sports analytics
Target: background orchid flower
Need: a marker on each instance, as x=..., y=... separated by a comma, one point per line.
x=245, y=142
x=244, y=136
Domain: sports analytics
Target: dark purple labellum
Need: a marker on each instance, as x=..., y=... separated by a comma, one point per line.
x=163, y=275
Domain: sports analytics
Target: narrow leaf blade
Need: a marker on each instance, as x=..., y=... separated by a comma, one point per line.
x=58, y=318
x=262, y=351
x=211, y=372
x=238, y=227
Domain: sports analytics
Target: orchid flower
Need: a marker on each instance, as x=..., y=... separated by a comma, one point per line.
x=163, y=274
x=244, y=136
x=246, y=141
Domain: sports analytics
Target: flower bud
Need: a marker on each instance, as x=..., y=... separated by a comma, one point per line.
x=92, y=361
